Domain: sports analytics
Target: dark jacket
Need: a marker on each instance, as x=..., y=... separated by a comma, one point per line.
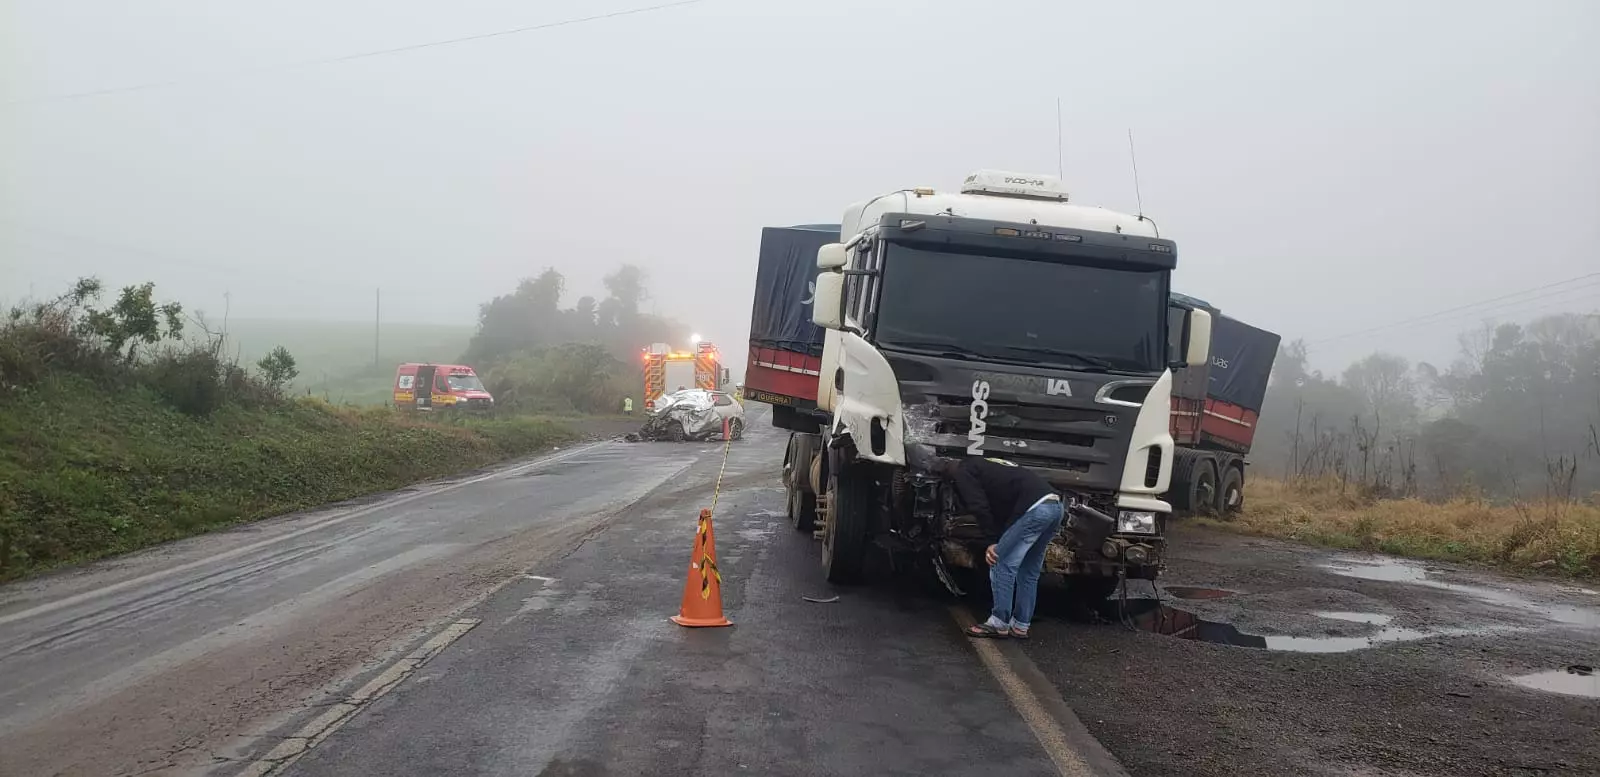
x=997, y=492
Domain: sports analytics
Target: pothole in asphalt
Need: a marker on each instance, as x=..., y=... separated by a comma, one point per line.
x=1157, y=618
x=1575, y=680
x=1195, y=592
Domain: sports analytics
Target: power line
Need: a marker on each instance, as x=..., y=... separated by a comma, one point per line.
x=1517, y=309
x=351, y=57
x=1471, y=306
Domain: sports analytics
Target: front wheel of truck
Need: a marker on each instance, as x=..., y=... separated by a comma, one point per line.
x=849, y=518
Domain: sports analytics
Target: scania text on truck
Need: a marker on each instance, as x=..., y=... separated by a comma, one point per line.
x=1001, y=321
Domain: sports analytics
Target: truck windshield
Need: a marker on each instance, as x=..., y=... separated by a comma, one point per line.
x=465, y=383
x=1024, y=310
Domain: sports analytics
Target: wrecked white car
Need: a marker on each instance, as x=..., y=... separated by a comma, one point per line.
x=692, y=414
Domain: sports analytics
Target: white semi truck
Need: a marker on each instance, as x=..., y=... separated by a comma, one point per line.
x=1001, y=321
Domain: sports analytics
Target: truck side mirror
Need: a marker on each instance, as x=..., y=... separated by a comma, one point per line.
x=1197, y=346
x=827, y=310
x=832, y=256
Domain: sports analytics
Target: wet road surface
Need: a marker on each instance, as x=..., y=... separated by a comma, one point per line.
x=171, y=651
x=514, y=622
x=575, y=670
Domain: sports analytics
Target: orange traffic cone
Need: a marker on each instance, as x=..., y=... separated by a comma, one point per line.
x=702, y=590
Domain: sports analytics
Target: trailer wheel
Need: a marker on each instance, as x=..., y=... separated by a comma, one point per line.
x=845, y=539
x=1202, y=496
x=796, y=481
x=1231, y=500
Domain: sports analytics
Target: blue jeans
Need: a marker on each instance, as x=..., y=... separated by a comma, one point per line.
x=1014, y=578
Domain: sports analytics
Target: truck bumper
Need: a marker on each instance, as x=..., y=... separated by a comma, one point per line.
x=1142, y=556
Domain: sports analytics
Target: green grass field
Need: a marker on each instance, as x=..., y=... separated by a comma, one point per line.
x=335, y=357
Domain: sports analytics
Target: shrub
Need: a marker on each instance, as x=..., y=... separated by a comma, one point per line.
x=189, y=380
x=278, y=369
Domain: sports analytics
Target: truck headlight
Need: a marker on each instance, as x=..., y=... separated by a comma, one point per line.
x=1136, y=522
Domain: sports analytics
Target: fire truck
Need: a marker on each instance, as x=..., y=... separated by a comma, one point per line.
x=666, y=370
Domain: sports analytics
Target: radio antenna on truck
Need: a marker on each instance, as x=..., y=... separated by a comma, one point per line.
x=1134, y=158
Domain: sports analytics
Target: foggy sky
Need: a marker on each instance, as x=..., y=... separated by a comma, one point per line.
x=1324, y=167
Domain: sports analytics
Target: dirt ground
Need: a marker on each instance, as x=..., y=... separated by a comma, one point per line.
x=1325, y=663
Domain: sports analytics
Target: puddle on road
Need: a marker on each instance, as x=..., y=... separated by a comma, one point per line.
x=1571, y=681
x=1195, y=592
x=1386, y=571
x=1374, y=618
x=1394, y=571
x=1157, y=618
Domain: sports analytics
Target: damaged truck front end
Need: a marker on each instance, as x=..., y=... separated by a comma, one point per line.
x=1000, y=322
x=1098, y=438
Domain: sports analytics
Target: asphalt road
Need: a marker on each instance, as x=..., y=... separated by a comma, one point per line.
x=169, y=654
x=514, y=622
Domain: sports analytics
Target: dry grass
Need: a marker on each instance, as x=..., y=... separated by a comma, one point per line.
x=1561, y=538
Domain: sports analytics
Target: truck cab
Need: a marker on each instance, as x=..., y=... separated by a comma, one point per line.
x=1000, y=321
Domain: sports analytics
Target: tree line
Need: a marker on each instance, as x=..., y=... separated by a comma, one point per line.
x=536, y=355
x=1515, y=415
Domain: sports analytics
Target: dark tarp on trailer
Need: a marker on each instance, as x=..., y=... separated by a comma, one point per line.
x=1241, y=362
x=785, y=285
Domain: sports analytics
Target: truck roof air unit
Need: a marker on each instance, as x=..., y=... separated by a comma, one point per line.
x=1023, y=186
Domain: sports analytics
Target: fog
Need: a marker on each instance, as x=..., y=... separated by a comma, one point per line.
x=1326, y=170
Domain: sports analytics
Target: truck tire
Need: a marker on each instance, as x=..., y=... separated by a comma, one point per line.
x=1230, y=500
x=846, y=536
x=1201, y=498
x=802, y=507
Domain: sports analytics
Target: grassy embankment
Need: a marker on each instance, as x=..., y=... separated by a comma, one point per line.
x=87, y=472
x=1551, y=537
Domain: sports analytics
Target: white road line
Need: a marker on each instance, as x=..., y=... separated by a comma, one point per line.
x=318, y=729
x=254, y=546
x=1046, y=729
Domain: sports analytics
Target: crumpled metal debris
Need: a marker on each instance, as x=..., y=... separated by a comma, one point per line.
x=694, y=411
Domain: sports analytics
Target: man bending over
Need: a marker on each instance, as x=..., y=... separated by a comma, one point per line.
x=1024, y=512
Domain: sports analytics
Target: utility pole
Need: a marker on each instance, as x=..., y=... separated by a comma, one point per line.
x=377, y=322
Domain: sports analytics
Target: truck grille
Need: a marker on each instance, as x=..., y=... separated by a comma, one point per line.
x=1068, y=444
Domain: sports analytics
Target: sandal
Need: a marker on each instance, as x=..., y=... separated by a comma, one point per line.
x=985, y=631
x=1019, y=633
